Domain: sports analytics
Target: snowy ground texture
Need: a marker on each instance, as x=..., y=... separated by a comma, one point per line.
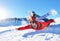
x=28, y=35
x=51, y=33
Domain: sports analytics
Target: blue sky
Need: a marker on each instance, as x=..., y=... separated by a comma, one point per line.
x=20, y=8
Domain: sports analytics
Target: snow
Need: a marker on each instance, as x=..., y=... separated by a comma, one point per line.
x=11, y=34
x=10, y=27
x=57, y=21
x=15, y=35
x=53, y=12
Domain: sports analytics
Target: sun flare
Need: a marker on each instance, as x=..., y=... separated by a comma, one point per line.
x=3, y=13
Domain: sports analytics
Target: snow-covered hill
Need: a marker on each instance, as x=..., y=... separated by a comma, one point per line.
x=28, y=35
x=57, y=21
x=13, y=22
x=51, y=33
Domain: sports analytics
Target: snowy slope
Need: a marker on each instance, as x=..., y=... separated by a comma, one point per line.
x=14, y=35
x=51, y=33
x=12, y=22
x=57, y=21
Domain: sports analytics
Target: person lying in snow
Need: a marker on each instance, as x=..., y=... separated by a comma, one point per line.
x=33, y=18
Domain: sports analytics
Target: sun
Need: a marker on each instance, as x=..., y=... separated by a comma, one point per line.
x=3, y=13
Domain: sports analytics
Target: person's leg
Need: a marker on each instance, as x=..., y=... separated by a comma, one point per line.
x=45, y=19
